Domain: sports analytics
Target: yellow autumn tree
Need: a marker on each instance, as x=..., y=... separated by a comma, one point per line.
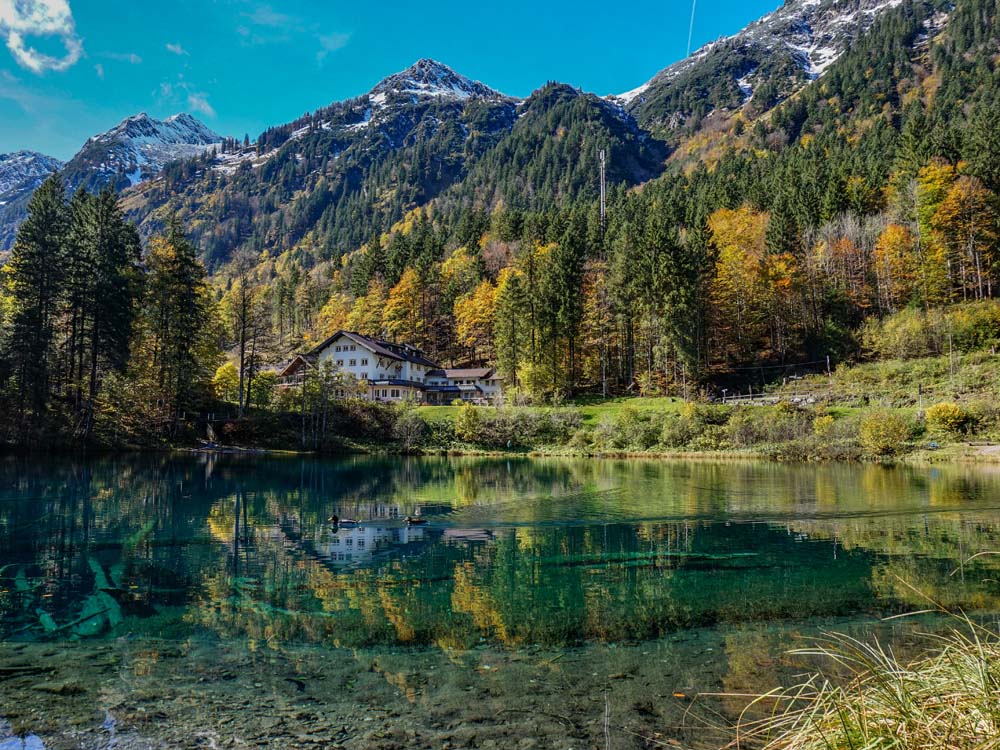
x=738, y=286
x=333, y=316
x=896, y=269
x=459, y=273
x=965, y=225
x=403, y=318
x=933, y=184
x=780, y=298
x=366, y=313
x=474, y=313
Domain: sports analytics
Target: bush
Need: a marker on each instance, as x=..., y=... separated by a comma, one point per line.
x=947, y=418
x=754, y=425
x=635, y=429
x=509, y=427
x=883, y=433
x=678, y=432
x=410, y=428
x=467, y=423
x=822, y=425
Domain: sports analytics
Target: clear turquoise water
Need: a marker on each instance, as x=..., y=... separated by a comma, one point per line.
x=207, y=601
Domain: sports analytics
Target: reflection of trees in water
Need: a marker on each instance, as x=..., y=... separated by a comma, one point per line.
x=535, y=553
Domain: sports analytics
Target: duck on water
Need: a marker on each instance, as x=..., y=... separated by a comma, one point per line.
x=337, y=521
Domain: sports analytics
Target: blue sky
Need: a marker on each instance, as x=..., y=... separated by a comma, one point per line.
x=72, y=68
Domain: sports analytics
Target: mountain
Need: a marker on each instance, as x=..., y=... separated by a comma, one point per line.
x=764, y=63
x=134, y=150
x=327, y=181
x=20, y=173
x=22, y=169
x=429, y=78
x=550, y=157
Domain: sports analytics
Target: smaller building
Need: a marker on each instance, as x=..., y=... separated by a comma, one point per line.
x=476, y=385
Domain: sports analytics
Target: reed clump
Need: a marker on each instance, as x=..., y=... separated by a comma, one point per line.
x=947, y=698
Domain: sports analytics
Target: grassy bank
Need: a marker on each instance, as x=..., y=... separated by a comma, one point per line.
x=821, y=430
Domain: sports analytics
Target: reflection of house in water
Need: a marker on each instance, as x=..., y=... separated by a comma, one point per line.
x=459, y=536
x=361, y=544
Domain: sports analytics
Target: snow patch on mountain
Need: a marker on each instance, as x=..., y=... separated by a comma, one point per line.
x=140, y=146
x=629, y=96
x=745, y=83
x=813, y=34
x=429, y=78
x=23, y=168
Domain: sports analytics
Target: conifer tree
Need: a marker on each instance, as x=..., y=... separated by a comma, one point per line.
x=110, y=300
x=36, y=282
x=177, y=313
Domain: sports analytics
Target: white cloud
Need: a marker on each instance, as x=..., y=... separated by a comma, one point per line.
x=198, y=102
x=20, y=19
x=100, y=71
x=129, y=57
x=265, y=15
x=173, y=92
x=331, y=43
x=177, y=49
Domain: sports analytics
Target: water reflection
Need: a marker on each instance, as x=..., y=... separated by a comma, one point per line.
x=515, y=552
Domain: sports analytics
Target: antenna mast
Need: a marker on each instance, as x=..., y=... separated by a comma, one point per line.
x=604, y=207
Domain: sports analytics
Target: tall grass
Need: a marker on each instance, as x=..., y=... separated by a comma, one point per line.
x=946, y=699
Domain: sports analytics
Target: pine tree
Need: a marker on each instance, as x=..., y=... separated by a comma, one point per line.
x=36, y=281
x=177, y=318
x=983, y=144
x=113, y=245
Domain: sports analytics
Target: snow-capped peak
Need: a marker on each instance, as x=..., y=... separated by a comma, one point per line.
x=139, y=147
x=430, y=78
x=22, y=168
x=812, y=34
x=181, y=128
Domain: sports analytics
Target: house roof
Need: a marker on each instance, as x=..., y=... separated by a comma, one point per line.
x=292, y=366
x=400, y=352
x=466, y=372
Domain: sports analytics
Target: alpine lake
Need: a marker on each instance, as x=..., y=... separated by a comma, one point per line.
x=195, y=600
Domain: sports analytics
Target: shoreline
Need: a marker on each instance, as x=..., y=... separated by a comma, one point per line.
x=986, y=454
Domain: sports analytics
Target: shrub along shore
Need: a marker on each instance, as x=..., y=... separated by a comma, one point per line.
x=652, y=427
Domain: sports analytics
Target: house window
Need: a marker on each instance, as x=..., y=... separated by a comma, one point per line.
x=364, y=376
x=395, y=392
x=336, y=348
x=353, y=347
x=364, y=361
x=340, y=363
x=354, y=362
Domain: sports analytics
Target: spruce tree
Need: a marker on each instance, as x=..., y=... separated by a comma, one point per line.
x=177, y=317
x=36, y=278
